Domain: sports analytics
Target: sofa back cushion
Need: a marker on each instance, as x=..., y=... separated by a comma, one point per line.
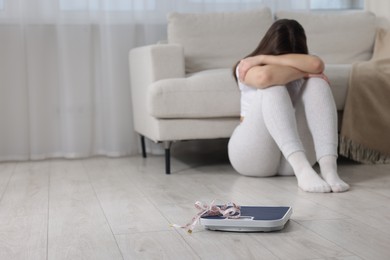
x=217, y=40
x=338, y=38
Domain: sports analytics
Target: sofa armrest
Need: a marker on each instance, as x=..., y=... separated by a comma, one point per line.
x=154, y=62
x=149, y=64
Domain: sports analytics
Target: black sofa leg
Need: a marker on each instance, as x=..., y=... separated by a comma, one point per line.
x=167, y=148
x=143, y=146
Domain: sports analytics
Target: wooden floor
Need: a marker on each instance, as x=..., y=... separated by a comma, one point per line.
x=103, y=208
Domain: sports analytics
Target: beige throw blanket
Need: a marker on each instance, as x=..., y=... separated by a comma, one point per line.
x=365, y=129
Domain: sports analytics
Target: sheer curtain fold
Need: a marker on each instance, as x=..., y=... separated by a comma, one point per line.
x=64, y=81
x=64, y=88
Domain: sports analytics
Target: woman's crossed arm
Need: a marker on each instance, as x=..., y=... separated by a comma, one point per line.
x=264, y=71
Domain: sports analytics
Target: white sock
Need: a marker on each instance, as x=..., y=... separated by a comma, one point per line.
x=328, y=167
x=321, y=114
x=308, y=179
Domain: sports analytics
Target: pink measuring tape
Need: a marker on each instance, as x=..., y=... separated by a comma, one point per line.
x=229, y=210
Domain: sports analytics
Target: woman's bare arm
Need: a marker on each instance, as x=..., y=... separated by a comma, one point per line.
x=303, y=62
x=269, y=75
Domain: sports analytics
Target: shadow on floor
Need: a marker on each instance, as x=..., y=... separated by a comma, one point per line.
x=205, y=152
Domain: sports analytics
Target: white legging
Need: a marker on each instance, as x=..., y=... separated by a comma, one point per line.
x=275, y=127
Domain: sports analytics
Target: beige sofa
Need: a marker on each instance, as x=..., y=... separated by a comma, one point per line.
x=184, y=89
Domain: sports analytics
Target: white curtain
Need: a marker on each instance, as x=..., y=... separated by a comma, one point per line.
x=64, y=84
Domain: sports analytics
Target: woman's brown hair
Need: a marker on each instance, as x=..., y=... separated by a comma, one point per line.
x=283, y=37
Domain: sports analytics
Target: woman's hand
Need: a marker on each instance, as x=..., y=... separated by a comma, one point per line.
x=246, y=64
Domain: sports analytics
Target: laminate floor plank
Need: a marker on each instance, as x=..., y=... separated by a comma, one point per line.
x=23, y=237
x=24, y=211
x=6, y=171
x=226, y=245
x=125, y=205
x=155, y=245
x=354, y=236
x=122, y=208
x=26, y=193
x=78, y=228
x=297, y=242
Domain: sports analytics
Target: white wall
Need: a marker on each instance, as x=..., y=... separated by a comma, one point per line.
x=382, y=9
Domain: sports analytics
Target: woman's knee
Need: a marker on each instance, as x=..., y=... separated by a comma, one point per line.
x=316, y=81
x=279, y=89
x=319, y=84
x=317, y=87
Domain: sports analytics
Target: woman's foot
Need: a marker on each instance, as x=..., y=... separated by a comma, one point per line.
x=308, y=179
x=336, y=184
x=329, y=173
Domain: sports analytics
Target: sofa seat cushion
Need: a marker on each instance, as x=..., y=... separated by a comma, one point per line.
x=214, y=93
x=338, y=38
x=206, y=94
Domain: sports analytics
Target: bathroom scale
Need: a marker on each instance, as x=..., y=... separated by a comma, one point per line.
x=252, y=219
